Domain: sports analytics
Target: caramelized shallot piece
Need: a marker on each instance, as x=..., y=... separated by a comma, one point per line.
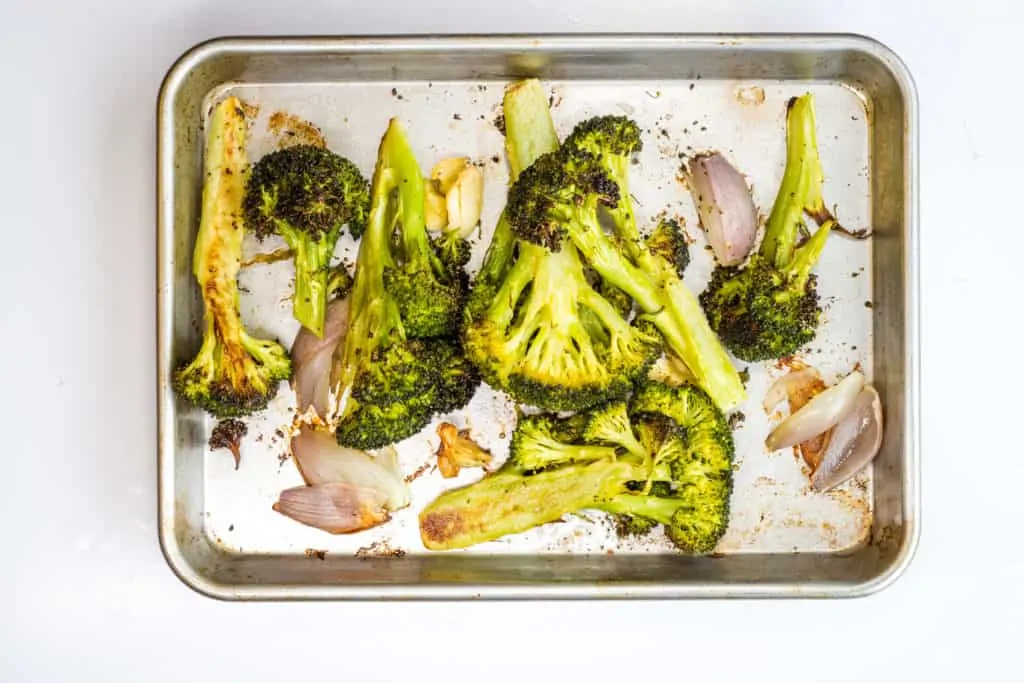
x=337, y=508
x=854, y=443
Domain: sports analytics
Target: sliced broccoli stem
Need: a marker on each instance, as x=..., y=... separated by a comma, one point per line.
x=801, y=185
x=508, y=503
x=670, y=305
x=661, y=510
x=529, y=129
x=312, y=271
x=804, y=258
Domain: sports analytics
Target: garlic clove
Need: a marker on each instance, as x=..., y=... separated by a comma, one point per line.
x=446, y=172
x=465, y=201
x=435, y=208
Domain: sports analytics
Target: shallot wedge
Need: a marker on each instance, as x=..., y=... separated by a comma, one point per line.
x=819, y=415
x=322, y=461
x=855, y=441
x=786, y=386
x=725, y=206
x=337, y=508
x=311, y=359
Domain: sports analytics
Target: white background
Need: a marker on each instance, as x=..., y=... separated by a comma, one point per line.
x=84, y=591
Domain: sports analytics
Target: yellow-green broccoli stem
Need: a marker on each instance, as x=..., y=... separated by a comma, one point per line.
x=312, y=272
x=800, y=191
x=233, y=374
x=506, y=503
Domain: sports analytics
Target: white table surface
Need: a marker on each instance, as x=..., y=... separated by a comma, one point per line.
x=86, y=595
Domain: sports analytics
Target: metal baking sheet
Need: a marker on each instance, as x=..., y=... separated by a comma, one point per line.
x=688, y=93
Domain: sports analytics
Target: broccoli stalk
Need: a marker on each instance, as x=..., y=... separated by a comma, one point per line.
x=556, y=468
x=535, y=326
x=387, y=384
x=307, y=194
x=769, y=308
x=557, y=201
x=233, y=373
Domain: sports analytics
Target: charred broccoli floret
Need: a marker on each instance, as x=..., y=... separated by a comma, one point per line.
x=307, y=195
x=234, y=373
x=557, y=204
x=668, y=242
x=535, y=325
x=389, y=379
x=769, y=308
x=676, y=470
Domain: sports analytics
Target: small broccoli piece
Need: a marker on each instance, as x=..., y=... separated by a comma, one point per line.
x=233, y=373
x=668, y=242
x=389, y=380
x=339, y=282
x=307, y=195
x=609, y=424
x=228, y=434
x=535, y=326
x=681, y=477
x=632, y=525
x=457, y=450
x=539, y=443
x=769, y=308
x=557, y=202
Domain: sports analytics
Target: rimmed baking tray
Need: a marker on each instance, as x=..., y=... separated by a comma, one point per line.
x=688, y=92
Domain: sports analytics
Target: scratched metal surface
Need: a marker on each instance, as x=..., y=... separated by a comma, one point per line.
x=774, y=511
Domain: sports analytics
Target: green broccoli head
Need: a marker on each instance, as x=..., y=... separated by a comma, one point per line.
x=757, y=314
x=398, y=366
x=550, y=340
x=233, y=374
x=665, y=460
x=606, y=136
x=541, y=442
x=769, y=309
x=556, y=190
x=307, y=194
x=668, y=241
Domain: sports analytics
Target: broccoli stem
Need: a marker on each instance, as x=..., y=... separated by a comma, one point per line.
x=312, y=271
x=651, y=507
x=508, y=503
x=804, y=258
x=529, y=129
x=801, y=185
x=375, y=318
x=668, y=303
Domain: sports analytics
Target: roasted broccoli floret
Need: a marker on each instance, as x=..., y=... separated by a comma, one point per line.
x=557, y=204
x=458, y=450
x=234, y=373
x=769, y=308
x=307, y=195
x=681, y=476
x=668, y=241
x=536, y=326
x=389, y=379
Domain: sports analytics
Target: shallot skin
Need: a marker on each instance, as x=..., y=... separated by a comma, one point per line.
x=311, y=359
x=854, y=443
x=725, y=205
x=337, y=508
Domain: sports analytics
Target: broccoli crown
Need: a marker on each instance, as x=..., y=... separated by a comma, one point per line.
x=397, y=364
x=559, y=188
x=306, y=194
x=606, y=135
x=666, y=459
x=758, y=314
x=550, y=340
x=307, y=189
x=668, y=241
x=233, y=374
x=541, y=442
x=769, y=309
x=560, y=200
